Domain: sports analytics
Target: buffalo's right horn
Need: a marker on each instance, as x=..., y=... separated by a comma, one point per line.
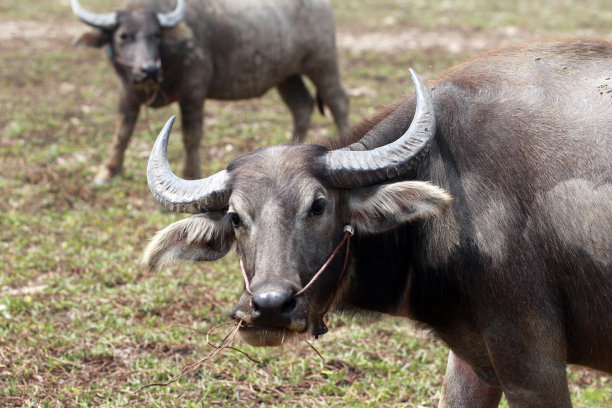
x=169, y=20
x=176, y=194
x=104, y=21
x=353, y=167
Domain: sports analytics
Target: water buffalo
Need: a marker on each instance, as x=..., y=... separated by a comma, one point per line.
x=514, y=272
x=216, y=49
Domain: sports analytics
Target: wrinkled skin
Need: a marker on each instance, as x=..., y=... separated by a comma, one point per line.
x=514, y=274
x=227, y=50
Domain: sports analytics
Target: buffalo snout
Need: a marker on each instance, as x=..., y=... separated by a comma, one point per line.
x=271, y=314
x=273, y=307
x=149, y=71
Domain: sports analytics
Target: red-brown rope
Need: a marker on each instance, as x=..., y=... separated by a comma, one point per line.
x=348, y=233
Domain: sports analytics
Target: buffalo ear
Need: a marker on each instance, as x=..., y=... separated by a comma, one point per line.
x=382, y=207
x=93, y=38
x=201, y=237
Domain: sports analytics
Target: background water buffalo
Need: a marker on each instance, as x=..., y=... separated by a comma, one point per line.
x=87, y=326
x=216, y=49
x=515, y=275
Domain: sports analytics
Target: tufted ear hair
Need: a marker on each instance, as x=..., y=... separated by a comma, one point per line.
x=96, y=38
x=382, y=207
x=201, y=237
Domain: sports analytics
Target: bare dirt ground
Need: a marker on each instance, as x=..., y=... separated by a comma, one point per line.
x=38, y=34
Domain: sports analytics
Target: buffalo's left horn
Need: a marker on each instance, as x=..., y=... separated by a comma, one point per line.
x=169, y=20
x=176, y=194
x=347, y=168
x=105, y=21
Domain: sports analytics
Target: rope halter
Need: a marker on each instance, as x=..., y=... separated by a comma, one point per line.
x=348, y=233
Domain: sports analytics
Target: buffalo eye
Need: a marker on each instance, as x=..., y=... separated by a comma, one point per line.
x=318, y=207
x=235, y=220
x=124, y=36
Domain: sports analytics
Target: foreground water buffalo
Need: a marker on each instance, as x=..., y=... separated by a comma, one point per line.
x=514, y=272
x=224, y=49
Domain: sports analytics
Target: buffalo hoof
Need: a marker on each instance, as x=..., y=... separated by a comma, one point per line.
x=103, y=177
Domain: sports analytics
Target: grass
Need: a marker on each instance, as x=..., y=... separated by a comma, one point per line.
x=82, y=325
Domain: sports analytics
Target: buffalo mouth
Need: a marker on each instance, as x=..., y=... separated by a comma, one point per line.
x=273, y=336
x=278, y=326
x=266, y=336
x=147, y=83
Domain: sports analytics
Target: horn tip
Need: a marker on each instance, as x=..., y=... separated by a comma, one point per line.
x=168, y=126
x=415, y=77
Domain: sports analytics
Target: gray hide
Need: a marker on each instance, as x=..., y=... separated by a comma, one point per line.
x=514, y=273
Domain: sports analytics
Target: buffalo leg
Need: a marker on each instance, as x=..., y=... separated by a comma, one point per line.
x=463, y=389
x=531, y=367
x=296, y=96
x=333, y=95
x=128, y=114
x=192, y=117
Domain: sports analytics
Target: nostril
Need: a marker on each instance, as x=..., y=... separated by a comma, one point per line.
x=289, y=306
x=149, y=68
x=273, y=306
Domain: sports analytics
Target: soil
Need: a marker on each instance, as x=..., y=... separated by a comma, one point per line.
x=40, y=34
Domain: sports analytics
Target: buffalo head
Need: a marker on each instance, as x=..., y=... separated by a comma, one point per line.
x=133, y=37
x=286, y=208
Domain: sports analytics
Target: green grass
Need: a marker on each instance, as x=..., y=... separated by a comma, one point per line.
x=82, y=325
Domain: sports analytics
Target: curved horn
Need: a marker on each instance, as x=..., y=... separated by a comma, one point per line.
x=169, y=20
x=176, y=194
x=347, y=169
x=104, y=21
